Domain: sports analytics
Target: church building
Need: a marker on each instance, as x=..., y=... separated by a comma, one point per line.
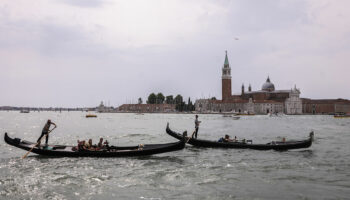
x=266, y=100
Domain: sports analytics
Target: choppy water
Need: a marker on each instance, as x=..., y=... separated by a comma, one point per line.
x=320, y=172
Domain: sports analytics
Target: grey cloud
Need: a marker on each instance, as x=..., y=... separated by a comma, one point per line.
x=276, y=38
x=84, y=3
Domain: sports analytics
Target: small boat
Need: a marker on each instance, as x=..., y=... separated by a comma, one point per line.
x=276, y=114
x=341, y=116
x=231, y=115
x=24, y=111
x=113, y=151
x=278, y=145
x=90, y=115
x=227, y=115
x=236, y=118
x=246, y=114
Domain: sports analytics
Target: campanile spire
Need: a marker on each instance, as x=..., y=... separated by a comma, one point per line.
x=226, y=64
x=226, y=79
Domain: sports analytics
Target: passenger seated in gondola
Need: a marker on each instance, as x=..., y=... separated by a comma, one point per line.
x=86, y=145
x=83, y=145
x=226, y=139
x=106, y=144
x=100, y=143
x=89, y=146
x=80, y=146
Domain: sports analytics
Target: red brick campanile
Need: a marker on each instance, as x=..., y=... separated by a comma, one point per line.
x=226, y=80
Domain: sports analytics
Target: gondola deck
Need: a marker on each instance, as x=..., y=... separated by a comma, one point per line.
x=66, y=151
x=240, y=145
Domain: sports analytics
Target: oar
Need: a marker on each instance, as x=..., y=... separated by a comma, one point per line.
x=25, y=155
x=191, y=136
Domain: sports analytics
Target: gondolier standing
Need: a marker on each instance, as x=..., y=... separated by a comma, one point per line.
x=45, y=132
x=196, y=125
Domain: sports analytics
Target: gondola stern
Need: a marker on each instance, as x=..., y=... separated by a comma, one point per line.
x=312, y=136
x=10, y=140
x=174, y=134
x=167, y=127
x=7, y=138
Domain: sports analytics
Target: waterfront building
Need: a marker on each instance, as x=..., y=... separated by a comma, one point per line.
x=267, y=100
x=104, y=109
x=326, y=106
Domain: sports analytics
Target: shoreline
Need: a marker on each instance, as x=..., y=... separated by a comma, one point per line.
x=194, y=113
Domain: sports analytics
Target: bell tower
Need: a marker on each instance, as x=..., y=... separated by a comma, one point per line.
x=226, y=80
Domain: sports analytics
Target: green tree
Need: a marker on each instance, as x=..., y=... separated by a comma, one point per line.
x=180, y=106
x=160, y=98
x=169, y=99
x=179, y=103
x=152, y=98
x=178, y=99
x=190, y=106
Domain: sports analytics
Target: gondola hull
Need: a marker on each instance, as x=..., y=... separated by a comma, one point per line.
x=280, y=146
x=67, y=151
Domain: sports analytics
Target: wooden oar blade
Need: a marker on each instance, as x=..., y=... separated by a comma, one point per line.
x=25, y=155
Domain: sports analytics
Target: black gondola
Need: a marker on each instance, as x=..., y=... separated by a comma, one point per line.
x=67, y=151
x=280, y=146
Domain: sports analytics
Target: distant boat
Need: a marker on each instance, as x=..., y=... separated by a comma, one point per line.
x=90, y=115
x=246, y=114
x=236, y=117
x=24, y=111
x=233, y=116
x=341, y=116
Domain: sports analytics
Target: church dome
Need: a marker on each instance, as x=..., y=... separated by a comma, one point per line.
x=268, y=86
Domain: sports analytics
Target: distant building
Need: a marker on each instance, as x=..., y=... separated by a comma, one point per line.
x=147, y=108
x=102, y=108
x=266, y=100
x=6, y=108
x=326, y=106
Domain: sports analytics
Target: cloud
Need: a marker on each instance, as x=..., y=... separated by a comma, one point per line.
x=84, y=3
x=121, y=50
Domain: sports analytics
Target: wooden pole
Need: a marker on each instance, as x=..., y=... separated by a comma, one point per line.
x=191, y=136
x=25, y=155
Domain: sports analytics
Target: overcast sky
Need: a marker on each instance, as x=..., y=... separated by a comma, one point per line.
x=75, y=53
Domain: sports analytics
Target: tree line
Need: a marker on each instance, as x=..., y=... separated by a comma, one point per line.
x=159, y=98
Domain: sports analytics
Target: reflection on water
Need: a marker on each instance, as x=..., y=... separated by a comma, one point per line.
x=321, y=171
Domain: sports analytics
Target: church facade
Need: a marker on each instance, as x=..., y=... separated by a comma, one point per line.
x=264, y=101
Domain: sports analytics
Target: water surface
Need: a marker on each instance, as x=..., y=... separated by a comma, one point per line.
x=319, y=172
